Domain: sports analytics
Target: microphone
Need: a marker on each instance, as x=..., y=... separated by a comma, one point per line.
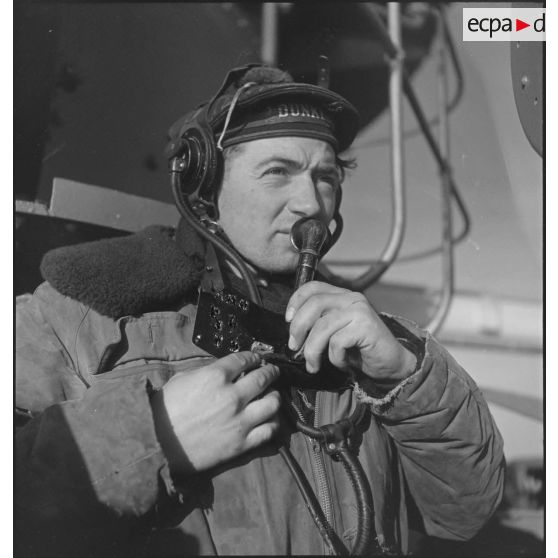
x=308, y=236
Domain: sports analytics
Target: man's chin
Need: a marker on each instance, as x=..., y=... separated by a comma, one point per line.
x=284, y=264
x=279, y=268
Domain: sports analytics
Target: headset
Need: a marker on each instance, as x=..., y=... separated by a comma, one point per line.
x=195, y=154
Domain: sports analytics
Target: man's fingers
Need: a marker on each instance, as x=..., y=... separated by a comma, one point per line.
x=235, y=364
x=307, y=290
x=339, y=344
x=308, y=314
x=261, y=410
x=319, y=337
x=256, y=382
x=262, y=434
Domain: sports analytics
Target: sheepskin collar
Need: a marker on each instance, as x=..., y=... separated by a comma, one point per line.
x=154, y=269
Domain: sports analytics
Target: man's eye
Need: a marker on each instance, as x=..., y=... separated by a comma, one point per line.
x=329, y=179
x=277, y=171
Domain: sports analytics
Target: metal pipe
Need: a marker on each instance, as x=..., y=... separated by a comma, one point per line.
x=269, y=33
x=448, y=279
x=378, y=267
x=396, y=126
x=457, y=96
x=456, y=64
x=396, y=56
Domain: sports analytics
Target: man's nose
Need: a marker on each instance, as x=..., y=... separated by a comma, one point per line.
x=305, y=199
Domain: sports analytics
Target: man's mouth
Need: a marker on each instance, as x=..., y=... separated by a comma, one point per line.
x=287, y=234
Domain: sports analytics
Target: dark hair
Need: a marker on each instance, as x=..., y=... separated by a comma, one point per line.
x=345, y=165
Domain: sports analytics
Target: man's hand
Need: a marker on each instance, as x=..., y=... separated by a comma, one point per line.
x=207, y=416
x=342, y=325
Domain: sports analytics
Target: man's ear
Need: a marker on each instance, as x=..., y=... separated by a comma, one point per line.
x=220, y=178
x=226, y=157
x=217, y=186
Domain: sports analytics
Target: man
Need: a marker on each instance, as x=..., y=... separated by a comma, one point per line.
x=141, y=442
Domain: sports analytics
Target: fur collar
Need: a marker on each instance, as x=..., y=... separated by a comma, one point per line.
x=147, y=271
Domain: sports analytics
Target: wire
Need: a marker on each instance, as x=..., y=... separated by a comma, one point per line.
x=311, y=502
x=230, y=111
x=187, y=212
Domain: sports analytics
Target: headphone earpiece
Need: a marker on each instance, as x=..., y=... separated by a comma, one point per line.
x=201, y=164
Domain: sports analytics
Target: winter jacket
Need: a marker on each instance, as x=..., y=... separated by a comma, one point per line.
x=112, y=324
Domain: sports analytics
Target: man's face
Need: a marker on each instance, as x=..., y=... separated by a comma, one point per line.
x=268, y=185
